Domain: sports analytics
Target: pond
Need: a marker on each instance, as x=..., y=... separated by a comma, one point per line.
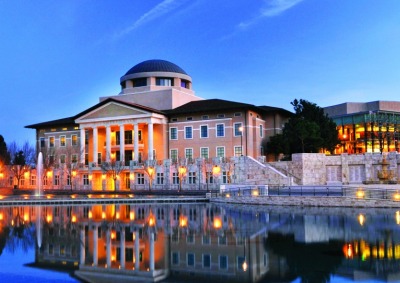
x=198, y=242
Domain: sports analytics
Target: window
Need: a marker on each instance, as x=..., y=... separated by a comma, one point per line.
x=74, y=140
x=173, y=155
x=173, y=133
x=221, y=116
x=220, y=130
x=223, y=262
x=86, y=137
x=185, y=83
x=22, y=181
x=174, y=119
x=240, y=260
x=206, y=260
x=190, y=259
x=74, y=158
x=205, y=117
x=51, y=141
x=261, y=131
x=189, y=118
x=160, y=178
x=188, y=132
x=204, y=152
x=139, y=135
x=140, y=178
x=164, y=82
x=204, y=131
x=220, y=151
x=238, y=151
x=192, y=177
x=128, y=137
x=33, y=180
x=62, y=141
x=62, y=158
x=85, y=179
x=56, y=180
x=238, y=114
x=99, y=158
x=175, y=258
x=68, y=180
x=139, y=82
x=175, y=178
x=42, y=142
x=222, y=240
x=226, y=177
x=206, y=240
x=238, y=129
x=189, y=153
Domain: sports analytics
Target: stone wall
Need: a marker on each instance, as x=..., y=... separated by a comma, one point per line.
x=318, y=168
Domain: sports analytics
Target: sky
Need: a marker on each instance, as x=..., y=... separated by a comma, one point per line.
x=58, y=57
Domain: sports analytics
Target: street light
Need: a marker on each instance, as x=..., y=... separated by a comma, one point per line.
x=241, y=140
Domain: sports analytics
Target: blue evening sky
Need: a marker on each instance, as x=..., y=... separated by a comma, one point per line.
x=58, y=57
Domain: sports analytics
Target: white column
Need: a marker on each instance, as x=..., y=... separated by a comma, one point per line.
x=151, y=251
x=137, y=262
x=108, y=143
x=95, y=144
x=95, y=245
x=150, y=143
x=82, y=245
x=136, y=141
x=82, y=140
x=122, y=142
x=122, y=247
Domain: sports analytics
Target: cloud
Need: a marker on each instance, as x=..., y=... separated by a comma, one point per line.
x=159, y=10
x=271, y=8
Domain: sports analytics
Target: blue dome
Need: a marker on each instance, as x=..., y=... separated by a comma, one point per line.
x=155, y=66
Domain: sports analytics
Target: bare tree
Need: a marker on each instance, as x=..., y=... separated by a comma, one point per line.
x=69, y=156
x=112, y=168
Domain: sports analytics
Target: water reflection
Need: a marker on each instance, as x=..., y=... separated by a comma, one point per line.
x=170, y=242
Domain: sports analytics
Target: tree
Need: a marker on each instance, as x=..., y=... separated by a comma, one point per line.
x=4, y=155
x=19, y=166
x=308, y=130
x=112, y=168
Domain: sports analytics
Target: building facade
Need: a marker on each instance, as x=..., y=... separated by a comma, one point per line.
x=153, y=133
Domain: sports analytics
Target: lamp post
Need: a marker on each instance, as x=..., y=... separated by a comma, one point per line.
x=182, y=173
x=241, y=140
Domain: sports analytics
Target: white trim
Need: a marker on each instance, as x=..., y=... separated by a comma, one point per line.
x=169, y=133
x=207, y=131
x=202, y=121
x=216, y=130
x=184, y=135
x=208, y=151
x=234, y=129
x=216, y=150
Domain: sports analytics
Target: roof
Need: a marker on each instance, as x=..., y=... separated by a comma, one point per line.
x=71, y=120
x=211, y=105
x=155, y=65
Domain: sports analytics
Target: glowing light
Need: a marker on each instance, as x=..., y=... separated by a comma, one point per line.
x=217, y=223
x=1, y=197
x=398, y=217
x=103, y=176
x=228, y=195
x=132, y=215
x=48, y=197
x=182, y=221
x=90, y=177
x=348, y=250
x=49, y=218
x=182, y=170
x=150, y=170
x=360, y=194
x=1, y=216
x=1, y=175
x=26, y=217
x=117, y=215
x=26, y=175
x=73, y=219
x=74, y=173
x=361, y=219
x=131, y=176
x=396, y=196
x=113, y=235
x=152, y=220
x=255, y=193
x=244, y=265
x=49, y=173
x=216, y=169
x=90, y=215
x=103, y=215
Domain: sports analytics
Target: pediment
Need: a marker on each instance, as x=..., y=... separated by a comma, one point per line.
x=113, y=110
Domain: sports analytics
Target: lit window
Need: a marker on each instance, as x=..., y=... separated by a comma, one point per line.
x=204, y=152
x=164, y=82
x=238, y=151
x=51, y=141
x=74, y=139
x=220, y=151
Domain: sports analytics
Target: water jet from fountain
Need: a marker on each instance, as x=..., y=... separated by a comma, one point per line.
x=39, y=172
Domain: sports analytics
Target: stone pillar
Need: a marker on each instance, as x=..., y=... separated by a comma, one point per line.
x=82, y=143
x=122, y=143
x=95, y=144
x=95, y=245
x=137, y=251
x=122, y=247
x=108, y=143
x=150, y=141
x=82, y=246
x=136, y=141
x=151, y=251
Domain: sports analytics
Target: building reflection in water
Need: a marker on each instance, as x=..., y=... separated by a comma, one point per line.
x=131, y=242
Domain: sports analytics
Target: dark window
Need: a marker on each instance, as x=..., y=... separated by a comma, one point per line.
x=139, y=82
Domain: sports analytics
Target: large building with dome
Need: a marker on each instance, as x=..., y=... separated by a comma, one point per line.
x=158, y=122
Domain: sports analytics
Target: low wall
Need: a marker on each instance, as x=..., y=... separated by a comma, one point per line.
x=318, y=168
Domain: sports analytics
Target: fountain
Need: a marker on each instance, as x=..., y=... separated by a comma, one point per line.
x=39, y=226
x=39, y=172
x=385, y=175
